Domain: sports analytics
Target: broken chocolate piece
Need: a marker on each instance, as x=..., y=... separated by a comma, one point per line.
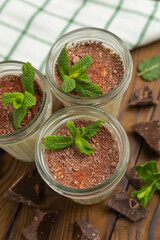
x=134, y=178
x=129, y=207
x=26, y=189
x=1, y=150
x=41, y=226
x=150, y=131
x=85, y=231
x=142, y=97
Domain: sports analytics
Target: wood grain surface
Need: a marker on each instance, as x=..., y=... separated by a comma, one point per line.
x=14, y=217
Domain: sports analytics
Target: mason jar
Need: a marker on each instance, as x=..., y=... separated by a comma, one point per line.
x=109, y=101
x=94, y=194
x=20, y=144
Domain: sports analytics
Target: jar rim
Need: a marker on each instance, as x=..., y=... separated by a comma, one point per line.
x=23, y=131
x=100, y=100
x=42, y=166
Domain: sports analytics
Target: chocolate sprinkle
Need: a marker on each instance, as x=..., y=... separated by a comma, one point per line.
x=41, y=226
x=142, y=97
x=150, y=131
x=85, y=231
x=129, y=207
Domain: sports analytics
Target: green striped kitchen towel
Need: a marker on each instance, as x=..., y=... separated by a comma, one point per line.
x=28, y=28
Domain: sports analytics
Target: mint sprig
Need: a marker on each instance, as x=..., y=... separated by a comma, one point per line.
x=150, y=174
x=22, y=102
x=78, y=137
x=75, y=78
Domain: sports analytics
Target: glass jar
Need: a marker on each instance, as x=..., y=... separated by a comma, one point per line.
x=20, y=144
x=100, y=192
x=109, y=101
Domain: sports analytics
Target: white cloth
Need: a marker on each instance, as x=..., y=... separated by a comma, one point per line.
x=29, y=28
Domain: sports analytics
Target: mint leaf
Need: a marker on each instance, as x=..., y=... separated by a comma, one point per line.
x=68, y=84
x=63, y=63
x=57, y=142
x=92, y=129
x=151, y=176
x=84, y=146
x=150, y=68
x=84, y=77
x=144, y=194
x=146, y=171
x=80, y=67
x=81, y=131
x=158, y=184
x=18, y=115
x=14, y=98
x=87, y=89
x=71, y=127
x=29, y=100
x=28, y=77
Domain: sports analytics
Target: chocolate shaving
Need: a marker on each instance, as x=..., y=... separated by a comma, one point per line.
x=129, y=207
x=85, y=231
x=26, y=189
x=134, y=178
x=150, y=131
x=41, y=226
x=142, y=97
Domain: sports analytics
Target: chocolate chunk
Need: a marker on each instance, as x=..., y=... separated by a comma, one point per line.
x=41, y=226
x=85, y=231
x=142, y=97
x=134, y=178
x=124, y=204
x=26, y=189
x=150, y=131
x=1, y=150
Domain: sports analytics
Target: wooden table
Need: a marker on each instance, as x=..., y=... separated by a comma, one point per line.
x=14, y=217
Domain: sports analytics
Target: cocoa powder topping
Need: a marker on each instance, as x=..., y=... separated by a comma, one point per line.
x=107, y=69
x=74, y=169
x=12, y=83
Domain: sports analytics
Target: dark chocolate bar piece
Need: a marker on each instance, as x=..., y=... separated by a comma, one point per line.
x=26, y=189
x=83, y=230
x=1, y=150
x=150, y=131
x=134, y=178
x=41, y=226
x=129, y=207
x=142, y=97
